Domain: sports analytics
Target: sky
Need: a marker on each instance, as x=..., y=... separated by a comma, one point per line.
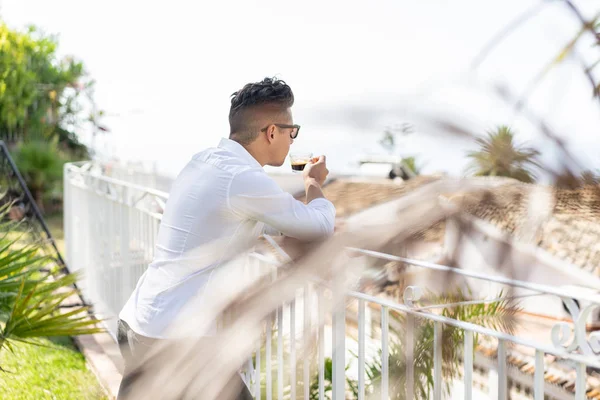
x=164, y=72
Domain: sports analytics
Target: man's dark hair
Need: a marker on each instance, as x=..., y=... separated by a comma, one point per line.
x=270, y=92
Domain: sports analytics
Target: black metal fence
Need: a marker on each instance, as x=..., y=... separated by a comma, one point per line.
x=24, y=209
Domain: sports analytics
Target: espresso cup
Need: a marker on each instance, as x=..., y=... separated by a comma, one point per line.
x=299, y=161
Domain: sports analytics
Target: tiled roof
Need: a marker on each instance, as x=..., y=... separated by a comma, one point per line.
x=351, y=196
x=570, y=229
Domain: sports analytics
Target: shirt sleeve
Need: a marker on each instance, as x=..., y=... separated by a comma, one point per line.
x=254, y=195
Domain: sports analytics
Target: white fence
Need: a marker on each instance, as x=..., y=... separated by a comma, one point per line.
x=138, y=174
x=110, y=229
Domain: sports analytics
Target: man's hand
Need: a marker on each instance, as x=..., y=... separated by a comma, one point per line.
x=317, y=170
x=340, y=224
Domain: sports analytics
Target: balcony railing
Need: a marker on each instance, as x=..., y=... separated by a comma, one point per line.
x=110, y=231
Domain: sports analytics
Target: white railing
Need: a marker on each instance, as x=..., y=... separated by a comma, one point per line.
x=577, y=350
x=110, y=229
x=138, y=174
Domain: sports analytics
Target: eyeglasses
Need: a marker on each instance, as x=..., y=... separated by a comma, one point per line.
x=293, y=134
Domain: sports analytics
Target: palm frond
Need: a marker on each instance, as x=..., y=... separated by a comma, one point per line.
x=499, y=315
x=43, y=318
x=31, y=299
x=498, y=155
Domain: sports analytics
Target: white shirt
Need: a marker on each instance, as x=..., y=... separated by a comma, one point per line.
x=218, y=206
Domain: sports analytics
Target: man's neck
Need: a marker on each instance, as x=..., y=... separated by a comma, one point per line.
x=255, y=152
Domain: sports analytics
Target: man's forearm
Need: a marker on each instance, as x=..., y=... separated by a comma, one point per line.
x=313, y=190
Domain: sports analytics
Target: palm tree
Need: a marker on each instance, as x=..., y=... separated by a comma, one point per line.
x=498, y=315
x=30, y=295
x=499, y=155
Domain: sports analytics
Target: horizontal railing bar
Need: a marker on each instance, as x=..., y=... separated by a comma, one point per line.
x=277, y=248
x=264, y=258
x=475, y=302
x=476, y=328
x=490, y=278
x=107, y=196
x=120, y=182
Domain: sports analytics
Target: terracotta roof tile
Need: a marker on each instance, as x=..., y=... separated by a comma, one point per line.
x=351, y=196
x=570, y=231
x=594, y=393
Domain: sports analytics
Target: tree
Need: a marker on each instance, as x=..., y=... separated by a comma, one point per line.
x=500, y=156
x=40, y=163
x=498, y=315
x=45, y=101
x=41, y=95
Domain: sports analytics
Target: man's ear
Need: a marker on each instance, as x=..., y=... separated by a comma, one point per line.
x=271, y=132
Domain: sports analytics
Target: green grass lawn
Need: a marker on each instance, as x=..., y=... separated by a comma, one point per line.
x=35, y=372
x=55, y=224
x=58, y=372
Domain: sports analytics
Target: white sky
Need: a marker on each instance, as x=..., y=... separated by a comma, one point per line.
x=164, y=70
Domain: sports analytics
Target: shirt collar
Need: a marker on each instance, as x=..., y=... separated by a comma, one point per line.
x=239, y=151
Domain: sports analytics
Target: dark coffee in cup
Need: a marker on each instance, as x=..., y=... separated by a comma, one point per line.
x=299, y=165
x=299, y=161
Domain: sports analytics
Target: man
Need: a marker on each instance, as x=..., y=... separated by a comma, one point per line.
x=219, y=205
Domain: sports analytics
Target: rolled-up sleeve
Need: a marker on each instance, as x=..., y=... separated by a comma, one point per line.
x=254, y=195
